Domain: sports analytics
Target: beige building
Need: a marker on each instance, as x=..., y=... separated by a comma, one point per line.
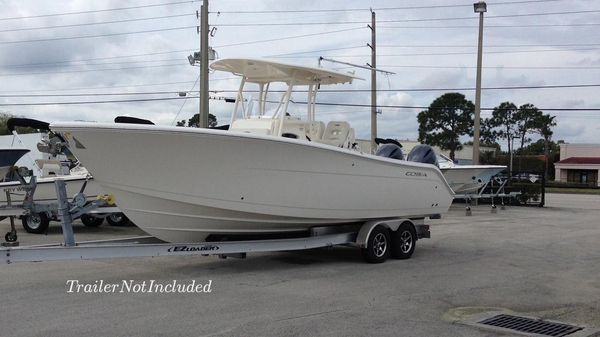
x=579, y=163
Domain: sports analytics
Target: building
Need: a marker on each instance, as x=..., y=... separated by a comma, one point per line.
x=579, y=164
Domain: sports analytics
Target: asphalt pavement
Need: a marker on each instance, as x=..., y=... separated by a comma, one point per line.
x=541, y=262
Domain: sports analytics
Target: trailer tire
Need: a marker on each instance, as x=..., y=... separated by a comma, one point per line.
x=118, y=219
x=91, y=221
x=10, y=237
x=36, y=223
x=404, y=241
x=378, y=245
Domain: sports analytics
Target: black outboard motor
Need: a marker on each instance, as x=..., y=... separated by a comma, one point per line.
x=423, y=154
x=390, y=151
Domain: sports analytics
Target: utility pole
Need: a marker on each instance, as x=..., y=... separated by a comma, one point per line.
x=479, y=7
x=373, y=66
x=203, y=107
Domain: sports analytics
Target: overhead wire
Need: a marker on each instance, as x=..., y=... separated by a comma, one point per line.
x=98, y=58
x=374, y=8
x=96, y=23
x=281, y=91
x=493, y=26
x=258, y=24
x=289, y=37
x=296, y=102
x=99, y=10
x=98, y=35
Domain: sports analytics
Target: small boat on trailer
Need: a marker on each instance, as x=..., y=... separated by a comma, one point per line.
x=55, y=165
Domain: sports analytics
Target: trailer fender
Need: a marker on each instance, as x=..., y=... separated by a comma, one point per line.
x=367, y=228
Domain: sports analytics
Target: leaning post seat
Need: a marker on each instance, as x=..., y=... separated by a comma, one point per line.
x=262, y=126
x=336, y=134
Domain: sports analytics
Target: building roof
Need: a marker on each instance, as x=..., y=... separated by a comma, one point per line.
x=581, y=161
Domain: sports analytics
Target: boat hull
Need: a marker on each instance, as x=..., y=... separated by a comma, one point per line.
x=183, y=184
x=467, y=179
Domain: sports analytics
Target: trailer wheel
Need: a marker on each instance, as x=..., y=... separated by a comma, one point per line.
x=91, y=221
x=117, y=219
x=10, y=237
x=36, y=223
x=404, y=241
x=378, y=245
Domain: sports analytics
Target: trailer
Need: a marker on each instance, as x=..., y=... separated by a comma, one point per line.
x=377, y=239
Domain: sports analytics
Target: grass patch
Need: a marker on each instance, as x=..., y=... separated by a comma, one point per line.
x=573, y=190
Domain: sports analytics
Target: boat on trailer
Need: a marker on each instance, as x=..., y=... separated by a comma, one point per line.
x=467, y=179
x=57, y=163
x=270, y=173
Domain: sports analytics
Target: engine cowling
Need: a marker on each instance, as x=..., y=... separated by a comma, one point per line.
x=390, y=151
x=423, y=154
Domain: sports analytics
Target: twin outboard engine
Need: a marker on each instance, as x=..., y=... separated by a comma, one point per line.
x=389, y=148
x=423, y=154
x=390, y=151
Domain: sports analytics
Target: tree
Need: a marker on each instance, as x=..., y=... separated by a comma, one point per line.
x=527, y=120
x=544, y=125
x=195, y=121
x=502, y=124
x=487, y=135
x=449, y=117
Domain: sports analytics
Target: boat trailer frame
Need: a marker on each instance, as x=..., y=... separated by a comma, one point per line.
x=148, y=246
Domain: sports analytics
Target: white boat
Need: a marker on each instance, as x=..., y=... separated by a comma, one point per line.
x=269, y=173
x=467, y=179
x=51, y=161
x=51, y=164
x=45, y=191
x=8, y=158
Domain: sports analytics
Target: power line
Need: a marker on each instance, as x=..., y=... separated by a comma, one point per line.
x=564, y=86
x=96, y=23
x=296, y=102
x=317, y=51
x=98, y=35
x=185, y=101
x=375, y=9
x=98, y=10
x=489, y=67
x=95, y=102
x=452, y=53
x=289, y=37
x=492, y=26
x=259, y=24
x=488, y=46
x=91, y=70
x=96, y=58
x=323, y=91
x=97, y=94
x=99, y=88
x=427, y=107
x=114, y=86
x=103, y=63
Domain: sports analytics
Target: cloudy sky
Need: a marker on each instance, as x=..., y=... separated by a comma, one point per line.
x=138, y=49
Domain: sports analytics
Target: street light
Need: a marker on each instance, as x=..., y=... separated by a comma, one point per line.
x=479, y=7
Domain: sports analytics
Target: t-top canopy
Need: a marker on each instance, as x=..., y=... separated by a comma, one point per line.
x=262, y=71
